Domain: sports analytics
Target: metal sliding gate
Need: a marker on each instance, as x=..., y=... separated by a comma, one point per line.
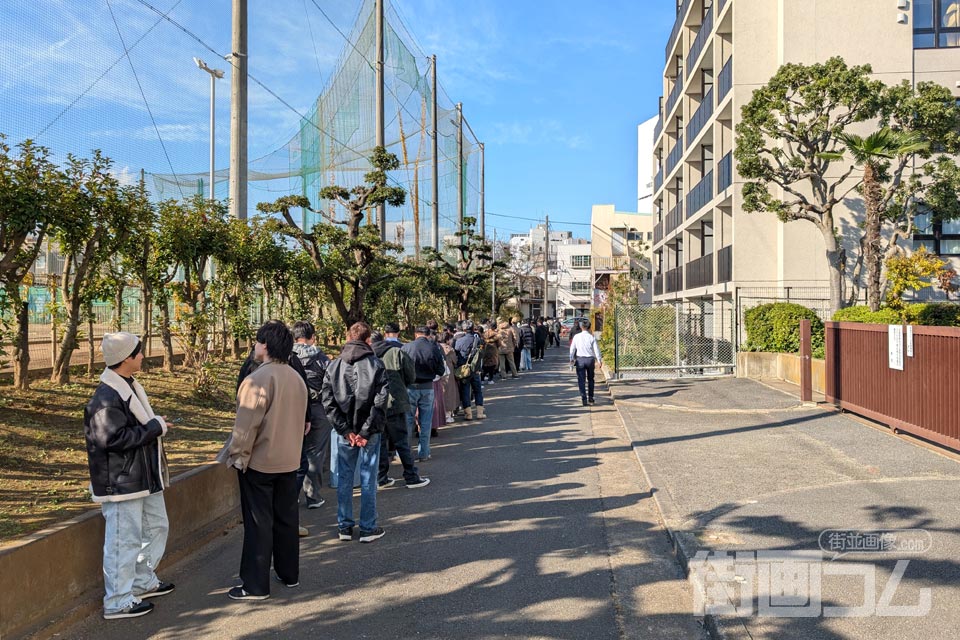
x=674, y=340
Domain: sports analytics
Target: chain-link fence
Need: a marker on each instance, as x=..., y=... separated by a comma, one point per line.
x=815, y=298
x=674, y=340
x=45, y=336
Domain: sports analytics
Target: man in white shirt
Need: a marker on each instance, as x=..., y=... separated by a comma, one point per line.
x=585, y=352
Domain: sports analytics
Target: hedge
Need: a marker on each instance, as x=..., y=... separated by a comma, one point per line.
x=933, y=314
x=775, y=328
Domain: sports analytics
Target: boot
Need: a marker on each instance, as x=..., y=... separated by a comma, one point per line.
x=468, y=413
x=480, y=414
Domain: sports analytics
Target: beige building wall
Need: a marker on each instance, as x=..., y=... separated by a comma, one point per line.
x=611, y=233
x=757, y=37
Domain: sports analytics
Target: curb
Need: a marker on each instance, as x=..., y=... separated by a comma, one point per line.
x=683, y=549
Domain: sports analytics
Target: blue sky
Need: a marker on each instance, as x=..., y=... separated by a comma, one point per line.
x=554, y=89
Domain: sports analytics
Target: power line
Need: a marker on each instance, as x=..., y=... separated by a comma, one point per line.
x=144, y=96
x=106, y=71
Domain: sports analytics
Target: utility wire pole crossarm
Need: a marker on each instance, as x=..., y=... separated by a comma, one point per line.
x=215, y=74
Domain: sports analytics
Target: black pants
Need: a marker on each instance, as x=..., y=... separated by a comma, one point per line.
x=585, y=372
x=395, y=435
x=271, y=520
x=516, y=357
x=538, y=348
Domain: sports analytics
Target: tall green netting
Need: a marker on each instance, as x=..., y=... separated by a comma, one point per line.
x=69, y=85
x=337, y=136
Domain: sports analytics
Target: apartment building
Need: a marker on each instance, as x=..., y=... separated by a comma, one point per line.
x=572, y=281
x=527, y=255
x=705, y=247
x=620, y=242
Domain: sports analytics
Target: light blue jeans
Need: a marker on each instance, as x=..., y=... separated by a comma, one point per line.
x=135, y=537
x=525, y=362
x=369, y=465
x=334, y=481
x=421, y=399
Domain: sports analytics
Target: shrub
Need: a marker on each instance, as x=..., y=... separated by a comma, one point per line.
x=862, y=314
x=937, y=314
x=776, y=328
x=934, y=314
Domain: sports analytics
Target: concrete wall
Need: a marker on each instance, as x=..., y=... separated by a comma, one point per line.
x=57, y=570
x=779, y=366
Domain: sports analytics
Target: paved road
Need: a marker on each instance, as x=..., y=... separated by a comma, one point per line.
x=537, y=524
x=740, y=467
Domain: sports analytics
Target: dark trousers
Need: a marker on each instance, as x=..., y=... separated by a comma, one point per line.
x=268, y=502
x=538, y=348
x=313, y=459
x=490, y=372
x=395, y=435
x=516, y=357
x=585, y=371
x=471, y=388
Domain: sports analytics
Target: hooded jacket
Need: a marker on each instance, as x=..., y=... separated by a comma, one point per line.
x=355, y=391
x=400, y=375
x=314, y=362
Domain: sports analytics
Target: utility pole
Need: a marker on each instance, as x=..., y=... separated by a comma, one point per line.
x=238, y=112
x=546, y=268
x=382, y=207
x=493, y=275
x=483, y=223
x=436, y=161
x=460, y=194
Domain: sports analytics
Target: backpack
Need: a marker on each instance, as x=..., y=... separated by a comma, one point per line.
x=473, y=363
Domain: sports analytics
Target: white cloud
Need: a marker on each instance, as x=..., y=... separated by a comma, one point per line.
x=536, y=132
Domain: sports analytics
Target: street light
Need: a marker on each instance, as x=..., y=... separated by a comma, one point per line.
x=215, y=74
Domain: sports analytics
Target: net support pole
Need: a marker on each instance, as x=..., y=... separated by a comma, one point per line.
x=238, y=112
x=483, y=218
x=546, y=267
x=460, y=194
x=436, y=160
x=382, y=207
x=493, y=277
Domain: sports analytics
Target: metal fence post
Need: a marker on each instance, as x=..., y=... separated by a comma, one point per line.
x=676, y=326
x=616, y=342
x=806, y=363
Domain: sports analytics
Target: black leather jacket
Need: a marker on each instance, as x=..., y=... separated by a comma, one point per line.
x=355, y=391
x=125, y=457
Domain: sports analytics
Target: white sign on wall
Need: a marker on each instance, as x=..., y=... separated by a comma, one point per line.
x=895, y=346
x=909, y=340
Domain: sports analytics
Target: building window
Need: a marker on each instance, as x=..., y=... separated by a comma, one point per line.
x=580, y=262
x=936, y=24
x=580, y=286
x=940, y=238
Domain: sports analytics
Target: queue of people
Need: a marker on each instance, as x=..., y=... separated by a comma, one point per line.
x=381, y=400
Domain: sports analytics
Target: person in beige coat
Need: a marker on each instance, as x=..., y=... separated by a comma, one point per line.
x=508, y=343
x=264, y=447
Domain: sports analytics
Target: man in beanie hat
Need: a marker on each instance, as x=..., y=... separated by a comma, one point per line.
x=127, y=477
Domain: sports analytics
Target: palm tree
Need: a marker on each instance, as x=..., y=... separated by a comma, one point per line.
x=873, y=153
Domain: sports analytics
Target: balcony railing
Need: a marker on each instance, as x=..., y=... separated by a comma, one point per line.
x=699, y=42
x=700, y=272
x=725, y=172
x=658, y=232
x=725, y=80
x=674, y=218
x=674, y=280
x=675, y=154
x=725, y=264
x=658, y=284
x=672, y=98
x=677, y=25
x=701, y=117
x=657, y=130
x=614, y=263
x=658, y=180
x=720, y=6
x=700, y=195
